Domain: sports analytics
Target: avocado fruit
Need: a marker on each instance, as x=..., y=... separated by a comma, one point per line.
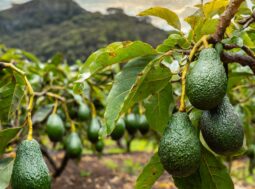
x=119, y=130
x=143, y=125
x=55, y=128
x=99, y=146
x=206, y=82
x=93, y=130
x=179, y=148
x=73, y=145
x=222, y=129
x=29, y=169
x=83, y=112
x=132, y=122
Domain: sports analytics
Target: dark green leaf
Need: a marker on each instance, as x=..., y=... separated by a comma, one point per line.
x=151, y=172
x=190, y=182
x=158, y=108
x=164, y=13
x=6, y=166
x=6, y=136
x=42, y=113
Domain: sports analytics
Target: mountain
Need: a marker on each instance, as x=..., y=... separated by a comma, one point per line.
x=45, y=27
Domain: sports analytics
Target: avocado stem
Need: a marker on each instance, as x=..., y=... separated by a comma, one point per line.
x=30, y=93
x=55, y=107
x=93, y=109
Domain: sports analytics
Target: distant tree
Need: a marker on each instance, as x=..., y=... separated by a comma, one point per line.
x=113, y=10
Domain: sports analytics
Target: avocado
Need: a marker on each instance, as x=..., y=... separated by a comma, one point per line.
x=143, y=125
x=55, y=128
x=73, y=145
x=29, y=169
x=93, y=130
x=132, y=123
x=119, y=130
x=179, y=148
x=206, y=82
x=222, y=129
x=99, y=146
x=83, y=112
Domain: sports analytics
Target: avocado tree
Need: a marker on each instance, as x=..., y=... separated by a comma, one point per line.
x=196, y=90
x=219, y=94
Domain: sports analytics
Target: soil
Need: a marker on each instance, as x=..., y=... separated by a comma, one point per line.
x=117, y=171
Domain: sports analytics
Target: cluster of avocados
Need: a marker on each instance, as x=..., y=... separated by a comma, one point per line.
x=206, y=85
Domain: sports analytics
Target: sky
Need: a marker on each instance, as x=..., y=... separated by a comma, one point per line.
x=132, y=7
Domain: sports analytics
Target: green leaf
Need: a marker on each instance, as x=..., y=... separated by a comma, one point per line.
x=57, y=59
x=6, y=166
x=117, y=52
x=214, y=7
x=6, y=136
x=213, y=173
x=158, y=108
x=151, y=172
x=191, y=182
x=164, y=13
x=11, y=94
x=42, y=113
x=138, y=80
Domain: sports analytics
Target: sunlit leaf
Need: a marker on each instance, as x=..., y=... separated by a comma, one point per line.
x=164, y=13
x=6, y=166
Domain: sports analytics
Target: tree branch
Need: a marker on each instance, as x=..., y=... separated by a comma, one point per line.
x=241, y=59
x=225, y=20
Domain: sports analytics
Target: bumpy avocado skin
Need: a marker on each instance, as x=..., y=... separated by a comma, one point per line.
x=73, y=145
x=55, y=128
x=143, y=125
x=132, y=123
x=93, y=130
x=30, y=170
x=179, y=148
x=83, y=112
x=222, y=129
x=206, y=81
x=119, y=130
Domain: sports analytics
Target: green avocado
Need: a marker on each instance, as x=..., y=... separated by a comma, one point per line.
x=93, y=130
x=55, y=128
x=83, y=112
x=119, y=130
x=206, y=82
x=29, y=169
x=143, y=125
x=179, y=148
x=99, y=146
x=222, y=129
x=73, y=145
x=132, y=123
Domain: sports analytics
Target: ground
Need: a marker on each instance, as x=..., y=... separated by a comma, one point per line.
x=119, y=171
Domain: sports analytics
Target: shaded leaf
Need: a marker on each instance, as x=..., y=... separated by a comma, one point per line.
x=191, y=182
x=164, y=13
x=11, y=94
x=117, y=52
x=151, y=172
x=6, y=136
x=42, y=113
x=6, y=166
x=158, y=108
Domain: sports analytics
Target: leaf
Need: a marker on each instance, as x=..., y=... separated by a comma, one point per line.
x=6, y=136
x=11, y=94
x=57, y=59
x=164, y=13
x=42, y=113
x=214, y=7
x=191, y=182
x=158, y=108
x=6, y=166
x=151, y=172
x=213, y=173
x=133, y=84
x=117, y=52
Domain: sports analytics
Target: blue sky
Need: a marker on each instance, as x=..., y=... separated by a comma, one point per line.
x=131, y=7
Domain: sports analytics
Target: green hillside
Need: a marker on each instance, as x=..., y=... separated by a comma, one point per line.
x=45, y=27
